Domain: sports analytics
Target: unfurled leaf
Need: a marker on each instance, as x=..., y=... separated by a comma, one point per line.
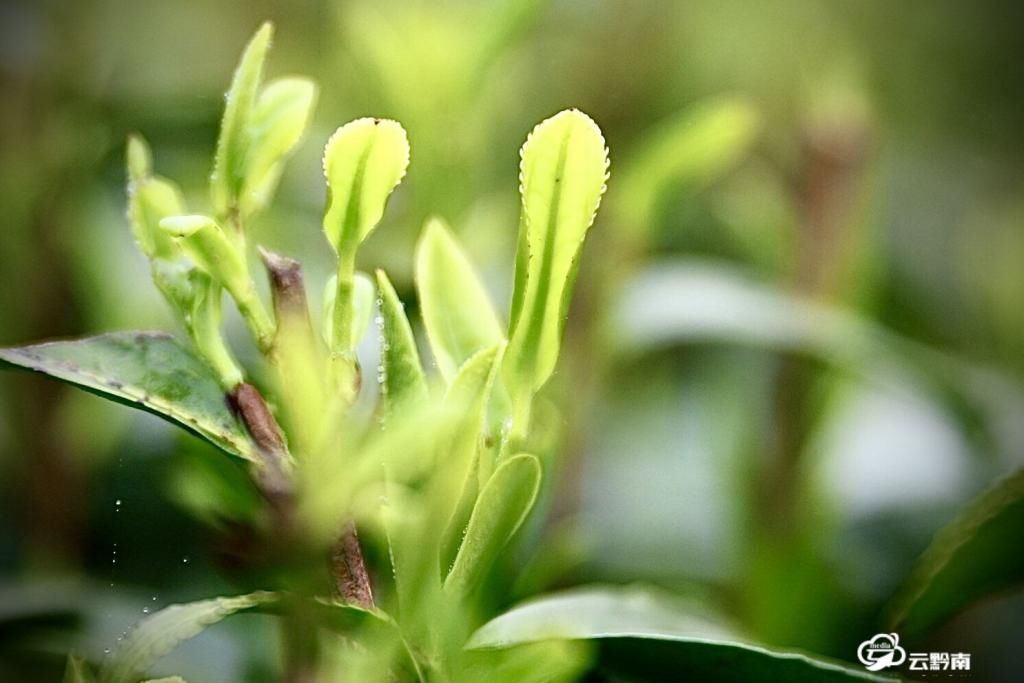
x=364, y=162
x=206, y=244
x=147, y=370
x=456, y=309
x=279, y=120
x=646, y=635
x=562, y=177
x=223, y=259
x=975, y=556
x=402, y=378
x=159, y=633
x=150, y=200
x=451, y=537
x=229, y=168
x=692, y=148
x=191, y=292
x=468, y=398
x=500, y=510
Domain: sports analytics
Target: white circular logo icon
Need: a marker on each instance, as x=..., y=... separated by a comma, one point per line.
x=881, y=652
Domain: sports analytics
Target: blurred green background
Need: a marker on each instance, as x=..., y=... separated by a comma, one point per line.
x=797, y=344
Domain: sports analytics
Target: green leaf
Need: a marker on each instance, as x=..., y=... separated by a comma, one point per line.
x=500, y=510
x=468, y=397
x=196, y=298
x=645, y=637
x=556, y=661
x=404, y=450
x=279, y=120
x=974, y=557
x=451, y=537
x=692, y=148
x=147, y=370
x=224, y=259
x=229, y=167
x=206, y=243
x=168, y=679
x=159, y=633
x=562, y=177
x=78, y=671
x=150, y=199
x=364, y=162
x=456, y=309
x=402, y=378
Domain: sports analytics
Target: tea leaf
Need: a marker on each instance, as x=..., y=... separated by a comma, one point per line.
x=692, y=148
x=644, y=637
x=206, y=243
x=159, y=633
x=402, y=378
x=500, y=510
x=279, y=120
x=150, y=200
x=562, y=177
x=975, y=556
x=555, y=661
x=468, y=398
x=456, y=309
x=404, y=451
x=451, y=537
x=364, y=162
x=147, y=370
x=229, y=167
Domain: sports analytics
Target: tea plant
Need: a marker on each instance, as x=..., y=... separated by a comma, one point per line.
x=446, y=471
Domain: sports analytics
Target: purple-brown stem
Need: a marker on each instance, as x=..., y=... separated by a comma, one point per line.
x=289, y=293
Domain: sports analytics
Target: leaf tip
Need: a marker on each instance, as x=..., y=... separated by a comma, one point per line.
x=138, y=158
x=367, y=126
x=183, y=226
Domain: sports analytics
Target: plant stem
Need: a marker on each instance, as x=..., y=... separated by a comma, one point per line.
x=343, y=306
x=274, y=471
x=256, y=317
